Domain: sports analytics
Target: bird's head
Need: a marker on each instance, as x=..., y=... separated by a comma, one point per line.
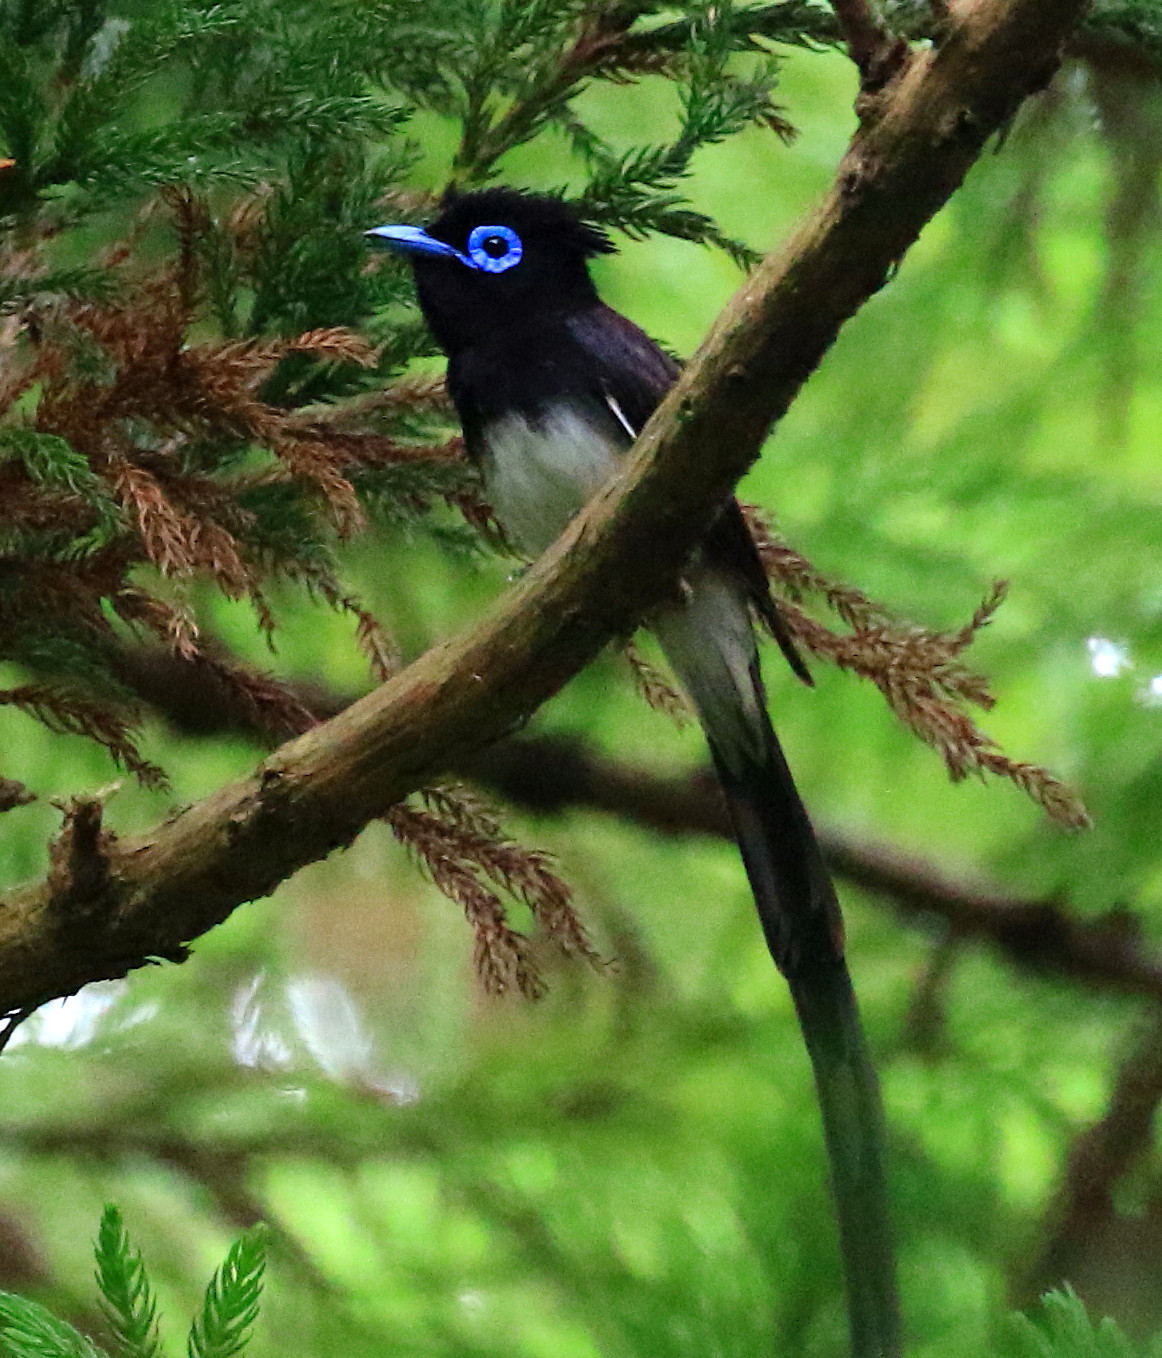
x=496, y=258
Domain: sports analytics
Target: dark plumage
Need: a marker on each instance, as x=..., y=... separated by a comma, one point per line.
x=552, y=386
x=465, y=306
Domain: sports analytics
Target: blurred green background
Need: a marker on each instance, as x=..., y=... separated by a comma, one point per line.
x=633, y=1165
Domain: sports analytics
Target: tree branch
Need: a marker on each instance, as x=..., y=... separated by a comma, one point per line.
x=877, y=53
x=547, y=775
x=168, y=885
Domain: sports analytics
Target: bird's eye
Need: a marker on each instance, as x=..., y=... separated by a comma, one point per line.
x=494, y=248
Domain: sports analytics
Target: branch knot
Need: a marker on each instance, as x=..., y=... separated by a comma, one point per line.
x=81, y=882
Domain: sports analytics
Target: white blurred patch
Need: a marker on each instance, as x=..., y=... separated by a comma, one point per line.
x=1107, y=658
x=311, y=1016
x=329, y=1022
x=74, y=1021
x=256, y=1040
x=1151, y=694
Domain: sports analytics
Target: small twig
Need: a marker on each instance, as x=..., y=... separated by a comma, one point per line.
x=877, y=52
x=927, y=1017
x=79, y=872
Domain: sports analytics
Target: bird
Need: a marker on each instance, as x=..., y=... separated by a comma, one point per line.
x=552, y=387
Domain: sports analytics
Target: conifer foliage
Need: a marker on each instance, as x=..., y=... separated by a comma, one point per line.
x=221, y=1329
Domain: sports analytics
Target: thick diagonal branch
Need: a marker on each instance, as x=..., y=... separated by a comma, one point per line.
x=550, y=774
x=313, y=795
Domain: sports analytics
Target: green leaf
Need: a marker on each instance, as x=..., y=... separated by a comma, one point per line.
x=1064, y=1330
x=50, y=460
x=129, y=1303
x=27, y=1330
x=232, y=1299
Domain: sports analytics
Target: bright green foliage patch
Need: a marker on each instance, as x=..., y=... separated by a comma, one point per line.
x=222, y=1329
x=1064, y=1329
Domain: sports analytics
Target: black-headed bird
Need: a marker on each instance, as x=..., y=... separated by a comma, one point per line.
x=552, y=388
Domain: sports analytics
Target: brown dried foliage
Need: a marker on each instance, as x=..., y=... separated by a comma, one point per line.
x=920, y=672
x=73, y=714
x=164, y=435
x=464, y=849
x=655, y=688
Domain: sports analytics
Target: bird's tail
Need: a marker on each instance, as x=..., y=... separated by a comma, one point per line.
x=709, y=641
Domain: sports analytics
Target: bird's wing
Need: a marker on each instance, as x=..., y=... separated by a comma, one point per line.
x=632, y=374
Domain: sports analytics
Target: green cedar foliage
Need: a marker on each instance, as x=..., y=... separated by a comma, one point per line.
x=222, y=1329
x=127, y=1297
x=1062, y=1328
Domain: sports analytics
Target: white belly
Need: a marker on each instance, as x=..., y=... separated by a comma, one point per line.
x=538, y=476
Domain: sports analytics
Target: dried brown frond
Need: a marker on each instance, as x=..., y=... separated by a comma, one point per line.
x=177, y=541
x=61, y=597
x=246, y=221
x=227, y=377
x=375, y=641
x=315, y=462
x=361, y=449
x=501, y=956
x=625, y=64
x=480, y=514
x=604, y=47
x=525, y=873
x=468, y=855
x=927, y=686
x=655, y=688
x=142, y=448
x=335, y=342
x=192, y=221
x=774, y=121
x=260, y=699
x=172, y=623
x=920, y=672
x=165, y=532
x=70, y=713
x=420, y=392
x=798, y=578
x=414, y=395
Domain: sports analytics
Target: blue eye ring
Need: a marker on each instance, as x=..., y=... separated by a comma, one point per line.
x=492, y=263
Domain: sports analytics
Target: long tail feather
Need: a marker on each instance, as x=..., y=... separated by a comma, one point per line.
x=800, y=919
x=710, y=643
